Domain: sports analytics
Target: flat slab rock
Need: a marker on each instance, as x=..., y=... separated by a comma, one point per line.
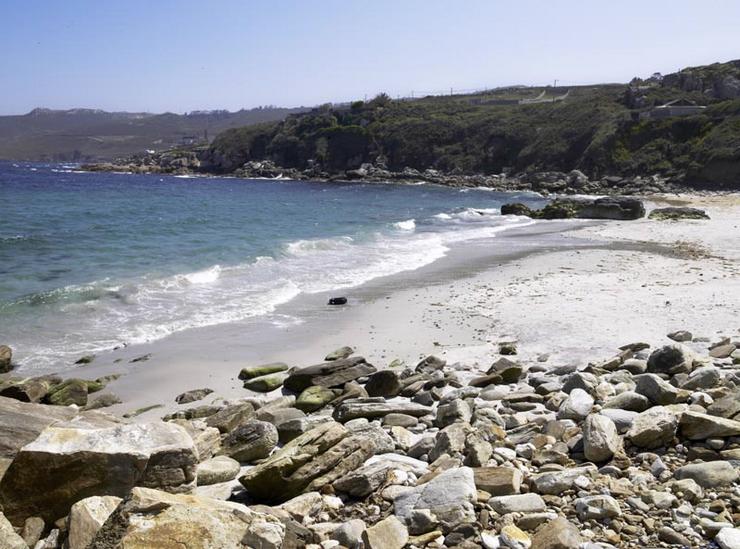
x=377, y=407
x=329, y=374
x=152, y=518
x=65, y=465
x=308, y=462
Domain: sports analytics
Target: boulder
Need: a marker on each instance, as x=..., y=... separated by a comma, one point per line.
x=385, y=383
x=706, y=377
x=71, y=391
x=516, y=208
x=6, y=359
x=337, y=354
x=577, y=406
x=389, y=533
x=329, y=374
x=230, y=417
x=728, y=538
x=711, y=474
x=250, y=441
x=449, y=497
x=151, y=518
x=266, y=383
x=86, y=517
x=308, y=462
x=250, y=372
x=727, y=406
x=556, y=482
x=216, y=470
x=557, y=534
x=9, y=539
x=376, y=407
x=314, y=398
x=653, y=428
x=675, y=213
x=657, y=390
x=30, y=390
x=600, y=438
x=698, y=426
x=613, y=207
x=598, y=507
x=671, y=359
x=498, y=481
x=65, y=465
x=193, y=395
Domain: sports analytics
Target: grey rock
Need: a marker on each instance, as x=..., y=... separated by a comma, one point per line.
x=557, y=534
x=711, y=474
x=498, y=481
x=193, y=395
x=329, y=374
x=250, y=441
x=385, y=383
x=600, y=438
x=557, y=482
x=698, y=426
x=577, y=406
x=657, y=390
x=86, y=517
x=705, y=377
x=389, y=533
x=597, y=507
x=518, y=503
x=653, y=428
x=628, y=400
x=8, y=537
x=376, y=408
x=455, y=411
x=337, y=354
x=728, y=538
x=217, y=470
x=349, y=534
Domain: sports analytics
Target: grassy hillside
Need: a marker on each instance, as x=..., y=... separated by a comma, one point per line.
x=86, y=135
x=595, y=129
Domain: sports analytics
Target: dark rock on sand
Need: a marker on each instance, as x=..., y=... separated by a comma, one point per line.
x=516, y=208
x=193, y=395
x=342, y=352
x=675, y=213
x=338, y=301
x=329, y=374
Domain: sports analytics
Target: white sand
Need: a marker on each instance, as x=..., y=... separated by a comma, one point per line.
x=634, y=283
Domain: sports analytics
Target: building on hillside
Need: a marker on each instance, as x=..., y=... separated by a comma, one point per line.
x=677, y=107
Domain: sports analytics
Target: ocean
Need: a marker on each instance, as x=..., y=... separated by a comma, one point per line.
x=93, y=261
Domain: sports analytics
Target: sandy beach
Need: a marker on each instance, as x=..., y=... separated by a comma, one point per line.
x=566, y=292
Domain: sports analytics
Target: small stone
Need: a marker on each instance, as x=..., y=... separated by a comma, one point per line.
x=597, y=507
x=520, y=503
x=337, y=354
x=681, y=336
x=514, y=538
x=349, y=534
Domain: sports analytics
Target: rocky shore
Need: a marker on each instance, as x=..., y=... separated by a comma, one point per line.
x=550, y=182
x=639, y=450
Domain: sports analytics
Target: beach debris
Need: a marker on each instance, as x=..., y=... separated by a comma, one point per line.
x=141, y=358
x=87, y=359
x=338, y=301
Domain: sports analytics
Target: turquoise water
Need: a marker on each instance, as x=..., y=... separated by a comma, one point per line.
x=91, y=261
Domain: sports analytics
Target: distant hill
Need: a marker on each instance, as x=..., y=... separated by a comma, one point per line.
x=606, y=129
x=93, y=135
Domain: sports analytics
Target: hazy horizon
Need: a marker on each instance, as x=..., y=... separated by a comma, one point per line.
x=174, y=57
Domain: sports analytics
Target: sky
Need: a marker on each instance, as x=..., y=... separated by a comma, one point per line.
x=184, y=55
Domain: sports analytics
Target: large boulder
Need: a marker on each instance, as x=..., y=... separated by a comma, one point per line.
x=152, y=518
x=613, y=207
x=449, y=497
x=308, y=462
x=329, y=374
x=65, y=465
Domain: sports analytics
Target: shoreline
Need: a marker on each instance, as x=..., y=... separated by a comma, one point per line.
x=459, y=308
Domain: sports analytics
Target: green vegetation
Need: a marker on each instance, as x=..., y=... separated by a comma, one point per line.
x=595, y=129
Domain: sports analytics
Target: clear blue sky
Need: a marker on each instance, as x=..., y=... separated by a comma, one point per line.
x=158, y=55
